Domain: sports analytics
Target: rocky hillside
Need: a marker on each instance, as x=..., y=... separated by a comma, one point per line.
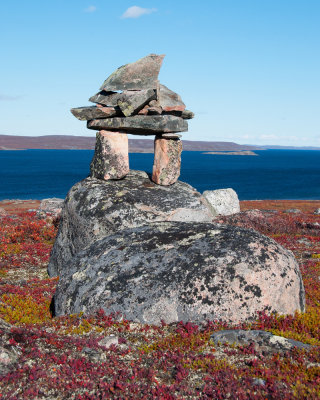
x=10, y=142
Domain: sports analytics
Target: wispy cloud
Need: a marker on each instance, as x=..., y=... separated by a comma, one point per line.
x=268, y=137
x=136, y=12
x=5, y=97
x=90, y=9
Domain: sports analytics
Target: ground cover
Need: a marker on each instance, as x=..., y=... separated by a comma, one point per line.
x=70, y=357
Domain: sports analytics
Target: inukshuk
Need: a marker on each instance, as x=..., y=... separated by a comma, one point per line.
x=132, y=101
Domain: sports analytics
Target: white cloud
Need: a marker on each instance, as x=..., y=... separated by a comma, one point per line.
x=268, y=137
x=90, y=9
x=136, y=12
x=4, y=97
x=247, y=136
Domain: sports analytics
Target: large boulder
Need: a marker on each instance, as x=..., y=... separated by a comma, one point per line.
x=95, y=208
x=175, y=271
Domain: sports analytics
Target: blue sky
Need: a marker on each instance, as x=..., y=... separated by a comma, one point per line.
x=249, y=69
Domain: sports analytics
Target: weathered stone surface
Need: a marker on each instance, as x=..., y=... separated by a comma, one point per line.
x=167, y=160
x=263, y=341
x=94, y=209
x=156, y=110
x=144, y=110
x=8, y=354
x=109, y=99
x=51, y=206
x=169, y=100
x=222, y=201
x=131, y=102
x=142, y=74
x=187, y=114
x=110, y=160
x=141, y=124
x=108, y=341
x=154, y=103
x=176, y=271
x=170, y=136
x=86, y=113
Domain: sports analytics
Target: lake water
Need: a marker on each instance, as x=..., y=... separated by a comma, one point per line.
x=273, y=174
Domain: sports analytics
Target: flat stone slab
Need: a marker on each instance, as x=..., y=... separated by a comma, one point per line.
x=187, y=114
x=106, y=98
x=92, y=112
x=142, y=74
x=141, y=124
x=131, y=102
x=169, y=100
x=178, y=271
x=170, y=136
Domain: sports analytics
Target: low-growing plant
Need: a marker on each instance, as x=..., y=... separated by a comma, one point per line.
x=64, y=357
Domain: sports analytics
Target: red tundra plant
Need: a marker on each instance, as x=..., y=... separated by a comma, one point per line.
x=66, y=357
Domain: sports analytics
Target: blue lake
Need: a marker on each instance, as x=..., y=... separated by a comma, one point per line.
x=273, y=174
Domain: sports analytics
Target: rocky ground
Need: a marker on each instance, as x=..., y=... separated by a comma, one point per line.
x=102, y=356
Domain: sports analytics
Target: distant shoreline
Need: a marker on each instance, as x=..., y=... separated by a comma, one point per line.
x=232, y=153
x=136, y=145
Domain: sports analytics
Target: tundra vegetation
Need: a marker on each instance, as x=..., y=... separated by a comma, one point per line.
x=69, y=357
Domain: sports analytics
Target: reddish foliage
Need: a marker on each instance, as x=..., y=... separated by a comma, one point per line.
x=62, y=357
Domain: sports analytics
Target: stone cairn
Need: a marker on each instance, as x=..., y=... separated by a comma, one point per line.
x=131, y=100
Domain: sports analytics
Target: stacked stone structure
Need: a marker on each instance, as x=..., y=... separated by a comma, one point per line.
x=132, y=101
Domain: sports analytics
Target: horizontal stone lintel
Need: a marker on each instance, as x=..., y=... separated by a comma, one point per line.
x=141, y=125
x=92, y=112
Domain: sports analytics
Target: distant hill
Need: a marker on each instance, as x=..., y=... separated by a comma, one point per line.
x=68, y=142
x=289, y=148
x=10, y=142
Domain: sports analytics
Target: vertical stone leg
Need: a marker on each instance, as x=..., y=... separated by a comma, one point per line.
x=167, y=160
x=110, y=160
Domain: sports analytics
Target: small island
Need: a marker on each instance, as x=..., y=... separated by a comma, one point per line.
x=233, y=153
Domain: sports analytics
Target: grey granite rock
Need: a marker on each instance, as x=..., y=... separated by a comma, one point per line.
x=142, y=74
x=222, y=201
x=110, y=160
x=169, y=100
x=167, y=160
x=262, y=340
x=51, y=206
x=92, y=112
x=141, y=124
x=94, y=209
x=175, y=271
x=155, y=110
x=9, y=354
x=170, y=136
x=131, y=102
x=109, y=99
x=187, y=114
